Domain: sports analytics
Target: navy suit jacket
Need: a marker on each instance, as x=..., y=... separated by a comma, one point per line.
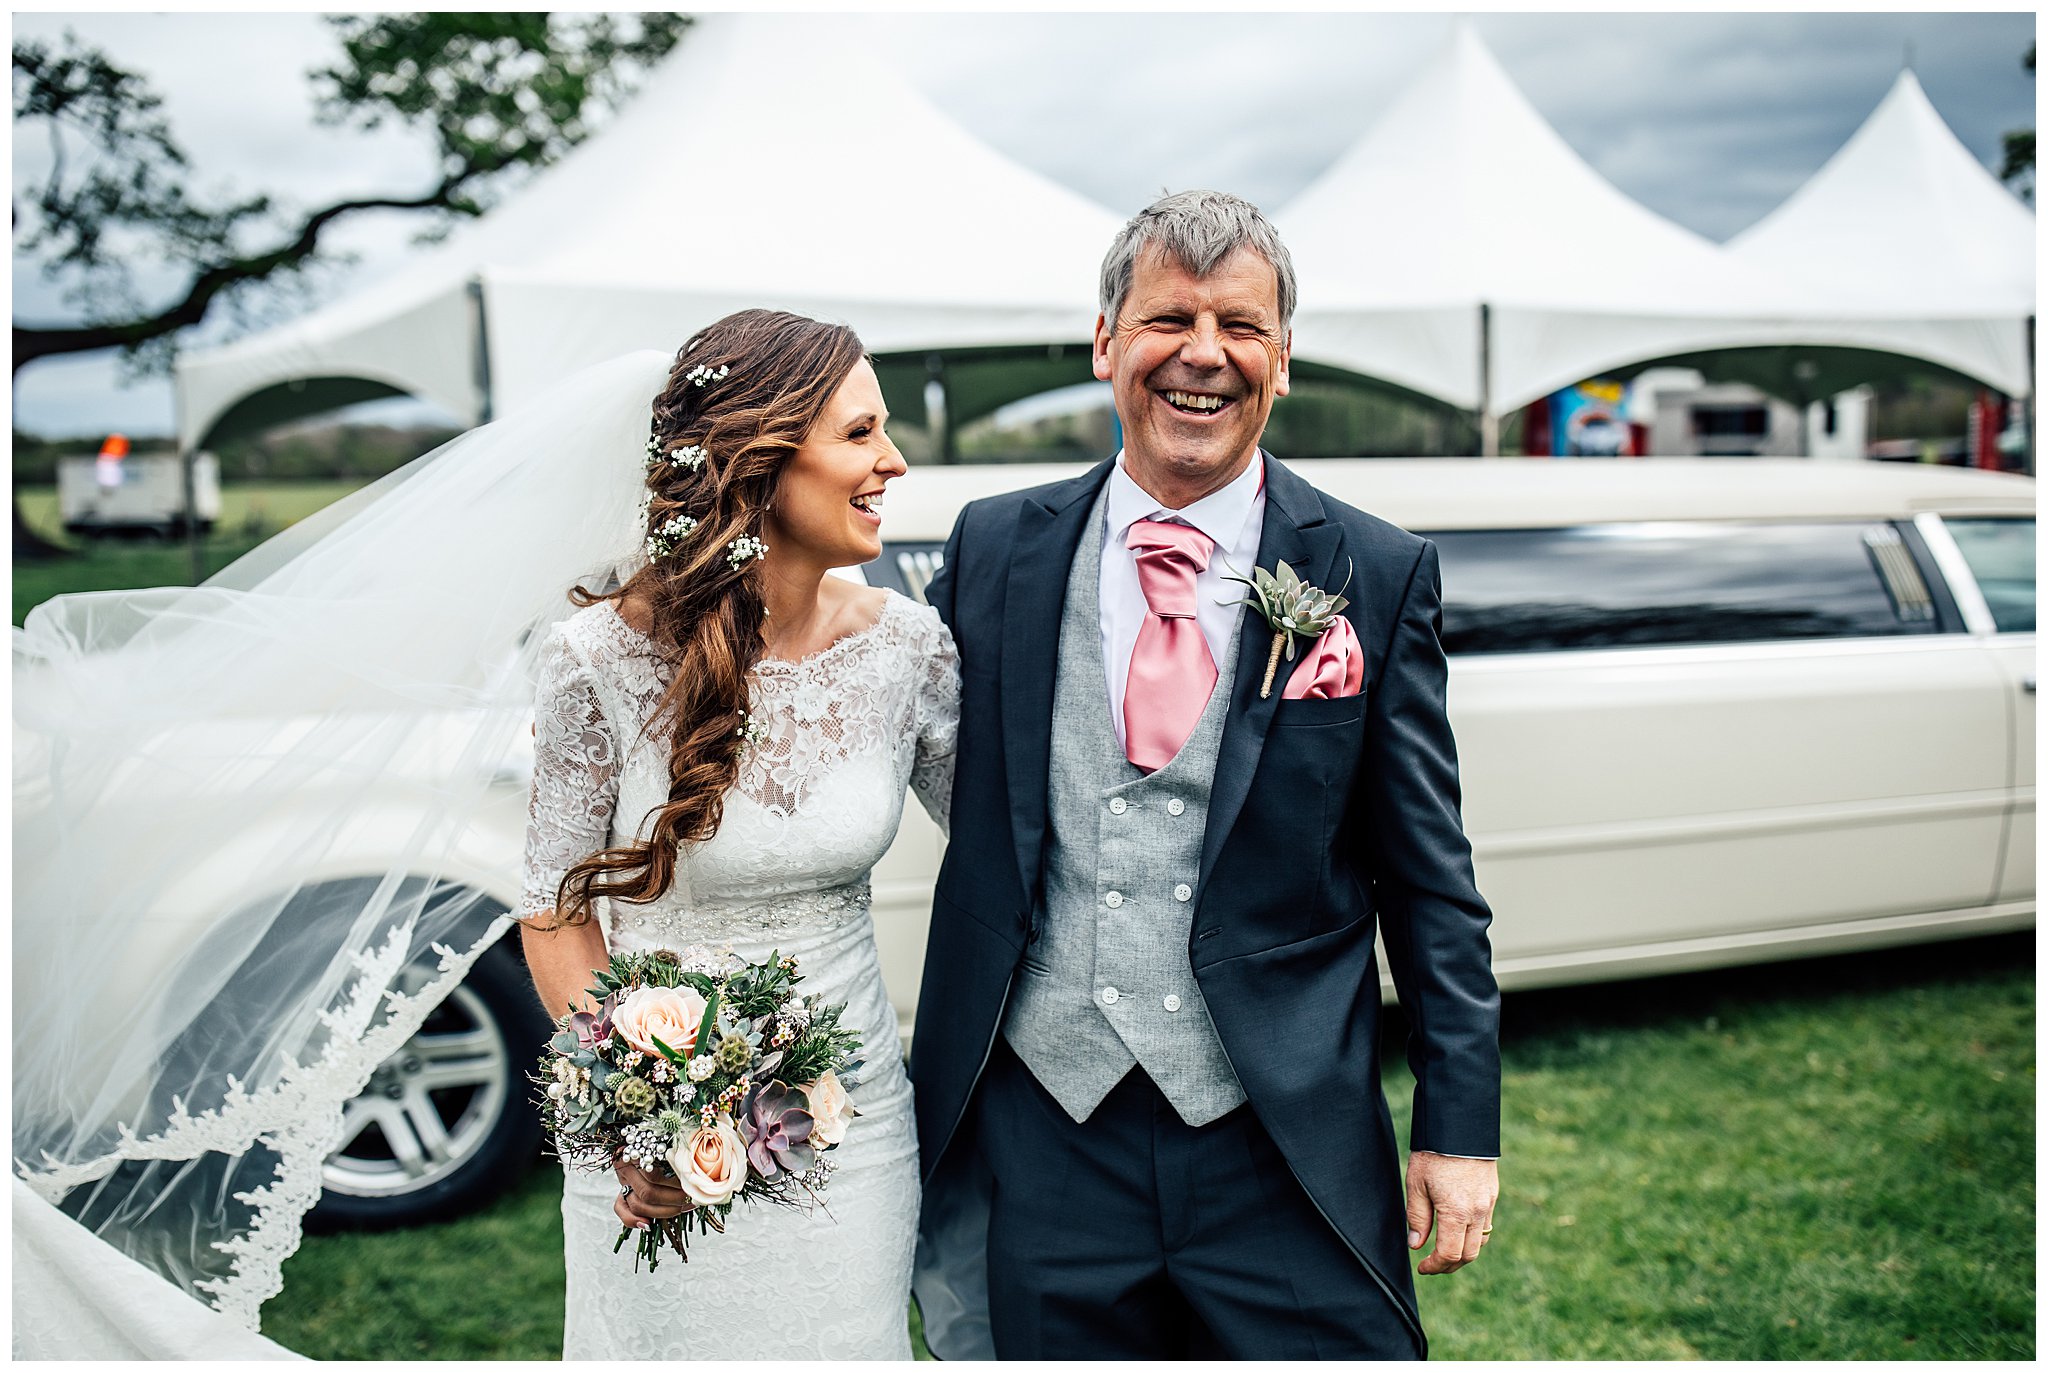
x=1329, y=820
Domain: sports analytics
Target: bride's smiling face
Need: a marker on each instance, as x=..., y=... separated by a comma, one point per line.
x=828, y=505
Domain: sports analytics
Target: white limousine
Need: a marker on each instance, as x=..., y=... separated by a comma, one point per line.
x=1707, y=712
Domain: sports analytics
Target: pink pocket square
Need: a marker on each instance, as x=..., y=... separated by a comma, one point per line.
x=1334, y=667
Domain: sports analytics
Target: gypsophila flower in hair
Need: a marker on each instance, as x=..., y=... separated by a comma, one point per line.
x=673, y=531
x=704, y=376
x=744, y=550
x=751, y=730
x=690, y=457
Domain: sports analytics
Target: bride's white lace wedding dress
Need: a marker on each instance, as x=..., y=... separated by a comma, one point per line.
x=817, y=803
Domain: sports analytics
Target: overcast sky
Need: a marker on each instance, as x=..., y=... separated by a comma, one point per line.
x=1711, y=120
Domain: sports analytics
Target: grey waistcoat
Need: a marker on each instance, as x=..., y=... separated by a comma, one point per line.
x=1107, y=983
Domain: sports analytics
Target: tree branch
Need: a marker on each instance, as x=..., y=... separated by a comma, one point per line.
x=33, y=341
x=494, y=91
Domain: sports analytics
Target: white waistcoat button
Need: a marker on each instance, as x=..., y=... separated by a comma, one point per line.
x=1113, y=900
x=1109, y=995
x=1176, y=806
x=1117, y=805
x=1172, y=1003
x=1183, y=892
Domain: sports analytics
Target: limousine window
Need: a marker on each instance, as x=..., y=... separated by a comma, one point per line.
x=2000, y=552
x=1672, y=583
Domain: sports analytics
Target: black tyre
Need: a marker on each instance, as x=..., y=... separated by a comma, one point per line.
x=447, y=1124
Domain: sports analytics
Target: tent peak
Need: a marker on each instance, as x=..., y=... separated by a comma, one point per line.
x=1904, y=211
x=1462, y=193
x=772, y=159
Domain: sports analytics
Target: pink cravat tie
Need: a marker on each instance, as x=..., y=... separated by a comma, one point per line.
x=1172, y=673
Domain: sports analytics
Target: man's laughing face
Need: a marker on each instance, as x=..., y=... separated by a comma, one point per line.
x=1195, y=364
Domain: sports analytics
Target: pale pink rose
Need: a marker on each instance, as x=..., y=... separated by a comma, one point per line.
x=669, y=1014
x=831, y=1112
x=710, y=1163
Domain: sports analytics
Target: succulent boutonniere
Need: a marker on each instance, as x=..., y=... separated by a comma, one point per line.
x=1292, y=607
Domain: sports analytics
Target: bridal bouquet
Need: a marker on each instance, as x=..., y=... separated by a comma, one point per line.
x=710, y=1067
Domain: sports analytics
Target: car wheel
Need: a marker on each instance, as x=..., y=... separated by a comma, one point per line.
x=447, y=1123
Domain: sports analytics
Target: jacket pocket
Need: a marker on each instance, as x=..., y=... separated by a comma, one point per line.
x=1320, y=711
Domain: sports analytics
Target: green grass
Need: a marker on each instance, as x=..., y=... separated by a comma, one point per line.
x=1825, y=1159
x=486, y=1287
x=249, y=515
x=1811, y=1160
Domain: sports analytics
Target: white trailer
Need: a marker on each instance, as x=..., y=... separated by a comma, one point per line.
x=149, y=498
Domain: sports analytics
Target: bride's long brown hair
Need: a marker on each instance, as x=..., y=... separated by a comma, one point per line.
x=770, y=375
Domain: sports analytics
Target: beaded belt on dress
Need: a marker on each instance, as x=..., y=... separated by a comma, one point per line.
x=804, y=912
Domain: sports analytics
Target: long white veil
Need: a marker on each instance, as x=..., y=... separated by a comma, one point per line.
x=206, y=964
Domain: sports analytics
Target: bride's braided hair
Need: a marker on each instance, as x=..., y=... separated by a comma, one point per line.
x=771, y=376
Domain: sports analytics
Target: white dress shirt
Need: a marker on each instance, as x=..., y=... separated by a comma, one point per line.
x=1233, y=517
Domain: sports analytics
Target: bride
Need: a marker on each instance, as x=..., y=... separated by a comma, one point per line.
x=721, y=751
x=256, y=837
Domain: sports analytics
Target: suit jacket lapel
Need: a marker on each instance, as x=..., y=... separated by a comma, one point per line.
x=1296, y=534
x=1049, y=530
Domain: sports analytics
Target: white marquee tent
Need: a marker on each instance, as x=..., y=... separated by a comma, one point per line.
x=1460, y=248
x=774, y=160
x=1904, y=216
x=1461, y=203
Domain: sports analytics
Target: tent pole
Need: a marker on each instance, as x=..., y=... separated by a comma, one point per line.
x=483, y=352
x=1805, y=377
x=1489, y=422
x=938, y=409
x=188, y=460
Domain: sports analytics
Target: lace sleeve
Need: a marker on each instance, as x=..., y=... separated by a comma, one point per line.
x=938, y=723
x=575, y=776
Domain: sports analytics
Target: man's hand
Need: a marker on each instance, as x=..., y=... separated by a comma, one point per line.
x=1458, y=1194
x=652, y=1198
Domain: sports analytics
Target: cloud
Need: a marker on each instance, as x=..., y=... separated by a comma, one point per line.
x=1122, y=106
x=1709, y=119
x=1712, y=120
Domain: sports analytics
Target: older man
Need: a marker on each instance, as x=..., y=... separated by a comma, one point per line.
x=1147, y=1077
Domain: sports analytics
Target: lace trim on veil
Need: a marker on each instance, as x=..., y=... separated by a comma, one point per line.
x=299, y=1117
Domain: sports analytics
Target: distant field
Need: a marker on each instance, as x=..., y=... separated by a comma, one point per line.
x=249, y=515
x=272, y=505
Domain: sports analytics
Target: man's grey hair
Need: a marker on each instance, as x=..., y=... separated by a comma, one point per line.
x=1197, y=229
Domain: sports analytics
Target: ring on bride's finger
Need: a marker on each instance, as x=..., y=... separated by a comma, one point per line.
x=626, y=1192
